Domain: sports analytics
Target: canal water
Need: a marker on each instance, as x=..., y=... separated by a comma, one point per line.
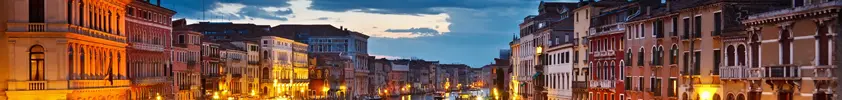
x=473, y=94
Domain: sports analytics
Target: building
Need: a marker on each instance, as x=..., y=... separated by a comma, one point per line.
x=186, y=68
x=456, y=76
x=329, y=75
x=284, y=66
x=398, y=79
x=581, y=27
x=379, y=76
x=235, y=62
x=149, y=50
x=246, y=74
x=605, y=53
x=788, y=50
x=647, y=75
x=527, y=48
x=61, y=52
x=329, y=39
x=212, y=70
x=558, y=60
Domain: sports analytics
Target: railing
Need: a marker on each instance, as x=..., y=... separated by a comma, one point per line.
x=27, y=85
x=36, y=27
x=603, y=53
x=756, y=73
x=608, y=28
x=783, y=72
x=150, y=80
x=96, y=33
x=733, y=72
x=607, y=84
x=77, y=84
x=818, y=72
x=148, y=47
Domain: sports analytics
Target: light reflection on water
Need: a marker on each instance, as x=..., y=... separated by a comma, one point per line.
x=482, y=93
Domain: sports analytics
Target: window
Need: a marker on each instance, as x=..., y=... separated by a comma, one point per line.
x=628, y=83
x=674, y=26
x=755, y=50
x=686, y=63
x=629, y=57
x=686, y=28
x=741, y=55
x=697, y=63
x=36, y=62
x=673, y=87
x=785, y=47
x=674, y=54
x=823, y=45
x=697, y=26
x=640, y=57
x=640, y=81
x=36, y=11
x=717, y=23
x=729, y=55
x=656, y=86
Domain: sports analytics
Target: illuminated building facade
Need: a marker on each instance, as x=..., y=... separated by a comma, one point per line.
x=186, y=68
x=71, y=49
x=149, y=49
x=789, y=52
x=606, y=53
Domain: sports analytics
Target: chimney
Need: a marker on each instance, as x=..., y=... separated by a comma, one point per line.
x=158, y=2
x=648, y=10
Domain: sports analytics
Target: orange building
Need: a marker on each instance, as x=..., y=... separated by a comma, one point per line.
x=149, y=49
x=789, y=52
x=64, y=49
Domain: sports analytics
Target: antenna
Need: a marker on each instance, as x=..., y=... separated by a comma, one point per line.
x=204, y=9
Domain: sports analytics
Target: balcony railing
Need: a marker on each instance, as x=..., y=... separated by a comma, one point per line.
x=818, y=72
x=79, y=84
x=784, y=72
x=733, y=72
x=756, y=73
x=28, y=85
x=608, y=28
x=150, y=80
x=606, y=84
x=580, y=84
x=61, y=27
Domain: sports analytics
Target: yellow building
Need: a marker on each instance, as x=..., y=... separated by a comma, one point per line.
x=61, y=53
x=284, y=67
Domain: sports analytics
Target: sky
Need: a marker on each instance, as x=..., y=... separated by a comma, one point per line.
x=468, y=32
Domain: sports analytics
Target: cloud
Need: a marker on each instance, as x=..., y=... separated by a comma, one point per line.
x=421, y=31
x=322, y=18
x=411, y=7
x=376, y=56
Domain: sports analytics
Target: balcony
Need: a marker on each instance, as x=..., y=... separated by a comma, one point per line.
x=62, y=27
x=604, y=84
x=733, y=72
x=755, y=73
x=81, y=84
x=28, y=85
x=580, y=84
x=610, y=28
x=818, y=72
x=150, y=80
x=784, y=72
x=603, y=53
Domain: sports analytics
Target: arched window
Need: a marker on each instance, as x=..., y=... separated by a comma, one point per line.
x=36, y=63
x=741, y=55
x=785, y=44
x=729, y=55
x=674, y=54
x=755, y=50
x=654, y=59
x=640, y=57
x=628, y=57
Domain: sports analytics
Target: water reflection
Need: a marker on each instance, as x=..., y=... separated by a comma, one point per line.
x=480, y=94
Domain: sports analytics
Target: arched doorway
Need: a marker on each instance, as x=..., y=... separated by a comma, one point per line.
x=741, y=97
x=730, y=97
x=716, y=97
